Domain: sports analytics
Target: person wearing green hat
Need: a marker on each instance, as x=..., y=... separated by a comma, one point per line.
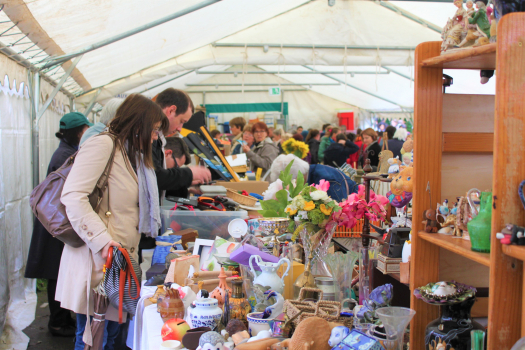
x=45, y=251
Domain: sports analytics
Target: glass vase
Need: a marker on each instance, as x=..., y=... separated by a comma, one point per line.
x=395, y=320
x=341, y=267
x=479, y=228
x=316, y=241
x=364, y=279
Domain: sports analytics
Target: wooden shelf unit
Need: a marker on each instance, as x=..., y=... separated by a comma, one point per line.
x=452, y=166
x=456, y=245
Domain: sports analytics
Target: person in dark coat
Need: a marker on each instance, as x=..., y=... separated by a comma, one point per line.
x=337, y=153
x=397, y=141
x=45, y=251
x=372, y=148
x=313, y=139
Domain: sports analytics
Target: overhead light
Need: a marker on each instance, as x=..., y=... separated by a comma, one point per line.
x=235, y=74
x=266, y=48
x=331, y=2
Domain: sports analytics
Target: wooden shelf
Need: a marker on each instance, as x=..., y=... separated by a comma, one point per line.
x=456, y=245
x=482, y=57
x=515, y=251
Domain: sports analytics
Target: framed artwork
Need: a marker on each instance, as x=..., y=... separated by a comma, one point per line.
x=203, y=248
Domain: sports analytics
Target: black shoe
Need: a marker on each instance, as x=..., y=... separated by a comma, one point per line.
x=65, y=331
x=71, y=322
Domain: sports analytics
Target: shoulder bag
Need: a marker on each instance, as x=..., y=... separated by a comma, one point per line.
x=47, y=207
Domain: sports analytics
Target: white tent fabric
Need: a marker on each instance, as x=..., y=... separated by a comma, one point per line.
x=17, y=294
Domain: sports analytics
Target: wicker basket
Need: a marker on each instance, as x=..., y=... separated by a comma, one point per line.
x=241, y=199
x=354, y=232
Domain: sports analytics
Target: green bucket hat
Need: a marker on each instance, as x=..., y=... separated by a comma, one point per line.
x=73, y=119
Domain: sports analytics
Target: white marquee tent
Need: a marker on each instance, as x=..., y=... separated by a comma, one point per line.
x=326, y=56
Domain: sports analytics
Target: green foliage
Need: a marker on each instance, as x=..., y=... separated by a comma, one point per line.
x=316, y=217
x=276, y=207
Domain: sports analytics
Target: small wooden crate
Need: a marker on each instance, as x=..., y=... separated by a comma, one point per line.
x=388, y=265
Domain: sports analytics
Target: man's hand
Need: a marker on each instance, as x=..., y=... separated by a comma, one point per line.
x=201, y=175
x=105, y=250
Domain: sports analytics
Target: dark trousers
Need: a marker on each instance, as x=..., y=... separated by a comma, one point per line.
x=58, y=317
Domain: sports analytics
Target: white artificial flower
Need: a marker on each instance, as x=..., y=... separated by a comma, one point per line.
x=318, y=195
x=273, y=189
x=302, y=214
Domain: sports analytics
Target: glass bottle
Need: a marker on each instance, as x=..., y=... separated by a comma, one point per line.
x=239, y=307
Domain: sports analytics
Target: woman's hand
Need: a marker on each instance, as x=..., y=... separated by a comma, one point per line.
x=105, y=250
x=246, y=148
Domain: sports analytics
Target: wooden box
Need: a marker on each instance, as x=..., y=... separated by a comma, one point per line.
x=388, y=265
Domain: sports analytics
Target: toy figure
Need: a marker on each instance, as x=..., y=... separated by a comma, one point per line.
x=384, y=163
x=212, y=341
x=470, y=8
x=430, y=221
x=394, y=166
x=337, y=335
x=512, y=234
x=401, y=187
x=479, y=26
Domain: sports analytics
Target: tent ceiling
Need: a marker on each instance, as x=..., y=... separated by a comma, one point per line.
x=155, y=58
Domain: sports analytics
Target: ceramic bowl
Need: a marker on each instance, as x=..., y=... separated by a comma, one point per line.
x=256, y=323
x=170, y=345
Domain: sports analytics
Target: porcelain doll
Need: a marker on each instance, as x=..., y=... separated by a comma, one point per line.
x=212, y=341
x=337, y=335
x=455, y=27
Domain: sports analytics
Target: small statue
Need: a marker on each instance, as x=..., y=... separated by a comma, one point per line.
x=395, y=163
x=479, y=26
x=455, y=27
x=400, y=193
x=337, y=335
x=470, y=8
x=212, y=341
x=512, y=234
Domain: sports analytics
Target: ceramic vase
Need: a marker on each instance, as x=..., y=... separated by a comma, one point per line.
x=238, y=307
x=171, y=305
x=206, y=313
x=479, y=228
x=452, y=329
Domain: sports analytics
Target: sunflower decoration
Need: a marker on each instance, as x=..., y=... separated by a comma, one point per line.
x=297, y=148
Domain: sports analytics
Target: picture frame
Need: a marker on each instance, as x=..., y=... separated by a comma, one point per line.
x=203, y=248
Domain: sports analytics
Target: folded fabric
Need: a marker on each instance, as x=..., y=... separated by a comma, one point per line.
x=161, y=251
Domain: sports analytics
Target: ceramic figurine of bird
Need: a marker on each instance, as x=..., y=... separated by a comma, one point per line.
x=443, y=209
x=276, y=309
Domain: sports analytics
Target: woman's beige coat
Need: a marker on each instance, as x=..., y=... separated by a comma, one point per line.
x=81, y=268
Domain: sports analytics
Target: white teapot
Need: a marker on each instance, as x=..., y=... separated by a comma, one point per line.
x=268, y=276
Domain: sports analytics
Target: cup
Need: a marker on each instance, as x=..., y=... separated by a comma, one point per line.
x=171, y=345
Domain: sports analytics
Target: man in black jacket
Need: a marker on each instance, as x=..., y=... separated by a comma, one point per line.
x=178, y=107
x=337, y=153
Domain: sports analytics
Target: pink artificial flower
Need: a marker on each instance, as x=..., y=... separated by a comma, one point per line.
x=323, y=185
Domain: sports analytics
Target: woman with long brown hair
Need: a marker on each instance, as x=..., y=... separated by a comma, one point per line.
x=129, y=207
x=372, y=148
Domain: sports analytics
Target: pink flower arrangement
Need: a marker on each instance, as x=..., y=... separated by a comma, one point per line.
x=355, y=207
x=323, y=185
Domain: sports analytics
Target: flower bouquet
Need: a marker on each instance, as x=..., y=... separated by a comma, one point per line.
x=297, y=148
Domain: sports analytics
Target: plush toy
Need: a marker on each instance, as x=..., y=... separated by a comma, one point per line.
x=401, y=187
x=430, y=221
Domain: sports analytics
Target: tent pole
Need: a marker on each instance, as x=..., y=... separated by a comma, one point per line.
x=35, y=139
x=310, y=46
x=357, y=88
x=167, y=81
x=92, y=102
x=290, y=72
x=57, y=88
x=204, y=98
x=398, y=73
x=61, y=59
x=282, y=109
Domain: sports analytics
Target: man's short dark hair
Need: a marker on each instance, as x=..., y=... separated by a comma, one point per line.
x=340, y=137
x=178, y=147
x=174, y=97
x=390, y=131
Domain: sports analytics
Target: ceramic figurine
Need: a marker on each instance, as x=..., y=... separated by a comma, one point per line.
x=394, y=166
x=276, y=309
x=400, y=193
x=430, y=221
x=205, y=314
x=455, y=27
x=337, y=335
x=512, y=234
x=448, y=226
x=444, y=209
x=268, y=276
x=479, y=27
x=470, y=8
x=212, y=341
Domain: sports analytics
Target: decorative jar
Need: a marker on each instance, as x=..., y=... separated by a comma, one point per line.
x=238, y=306
x=206, y=313
x=171, y=305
